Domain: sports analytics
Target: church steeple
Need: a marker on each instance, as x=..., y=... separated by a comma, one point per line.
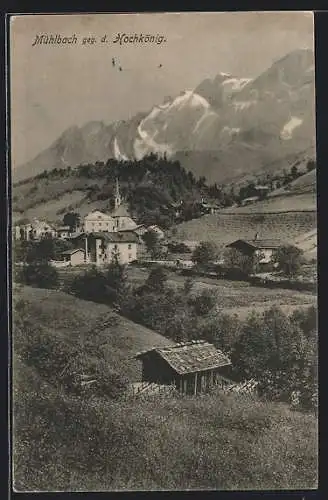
x=118, y=198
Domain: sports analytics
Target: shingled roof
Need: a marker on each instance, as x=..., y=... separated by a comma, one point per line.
x=190, y=357
x=117, y=237
x=258, y=244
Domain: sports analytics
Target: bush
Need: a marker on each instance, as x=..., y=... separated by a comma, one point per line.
x=205, y=254
x=91, y=285
x=156, y=280
x=273, y=349
x=289, y=259
x=246, y=264
x=204, y=302
x=40, y=274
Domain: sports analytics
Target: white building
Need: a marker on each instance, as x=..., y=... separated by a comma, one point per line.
x=103, y=247
x=98, y=222
x=118, y=220
x=35, y=230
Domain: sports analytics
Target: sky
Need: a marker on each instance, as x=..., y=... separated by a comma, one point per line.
x=53, y=87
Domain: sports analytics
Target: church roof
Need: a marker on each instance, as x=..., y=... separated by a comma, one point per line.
x=121, y=211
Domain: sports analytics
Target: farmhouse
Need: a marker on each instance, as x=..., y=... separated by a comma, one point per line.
x=210, y=208
x=262, y=248
x=192, y=367
x=101, y=248
x=261, y=190
x=73, y=257
x=63, y=232
x=35, y=230
x=250, y=200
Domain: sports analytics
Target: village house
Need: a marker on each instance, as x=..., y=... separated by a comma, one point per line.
x=101, y=248
x=74, y=257
x=210, y=208
x=262, y=190
x=156, y=229
x=35, y=230
x=63, y=232
x=249, y=201
x=192, y=367
x=262, y=248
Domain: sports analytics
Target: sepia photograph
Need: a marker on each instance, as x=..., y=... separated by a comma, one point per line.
x=164, y=251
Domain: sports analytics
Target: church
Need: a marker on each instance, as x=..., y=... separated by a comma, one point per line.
x=117, y=220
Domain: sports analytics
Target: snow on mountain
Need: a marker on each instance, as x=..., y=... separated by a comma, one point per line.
x=227, y=125
x=117, y=153
x=170, y=127
x=287, y=131
x=236, y=83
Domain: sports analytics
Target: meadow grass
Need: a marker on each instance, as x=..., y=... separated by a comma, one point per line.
x=213, y=442
x=69, y=442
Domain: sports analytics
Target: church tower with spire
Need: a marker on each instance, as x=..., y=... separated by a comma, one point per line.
x=117, y=198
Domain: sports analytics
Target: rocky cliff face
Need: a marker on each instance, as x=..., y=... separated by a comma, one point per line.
x=225, y=127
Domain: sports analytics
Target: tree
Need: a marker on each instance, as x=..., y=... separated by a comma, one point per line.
x=153, y=244
x=40, y=251
x=188, y=286
x=311, y=165
x=116, y=278
x=294, y=172
x=40, y=274
x=288, y=259
x=247, y=264
x=72, y=219
x=205, y=253
x=220, y=329
x=273, y=349
x=204, y=302
x=156, y=280
x=91, y=285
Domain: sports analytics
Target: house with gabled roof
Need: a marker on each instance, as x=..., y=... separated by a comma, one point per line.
x=103, y=247
x=261, y=247
x=192, y=367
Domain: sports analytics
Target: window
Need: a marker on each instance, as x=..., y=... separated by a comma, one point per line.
x=129, y=246
x=99, y=223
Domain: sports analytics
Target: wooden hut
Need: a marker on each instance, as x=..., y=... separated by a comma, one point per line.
x=193, y=367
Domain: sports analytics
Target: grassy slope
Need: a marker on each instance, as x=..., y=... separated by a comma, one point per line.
x=215, y=442
x=43, y=198
x=228, y=225
x=235, y=297
x=284, y=202
x=304, y=184
x=286, y=214
x=68, y=316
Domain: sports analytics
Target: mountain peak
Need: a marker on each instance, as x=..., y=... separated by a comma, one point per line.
x=227, y=124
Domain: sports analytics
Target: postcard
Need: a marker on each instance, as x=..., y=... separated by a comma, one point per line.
x=164, y=246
